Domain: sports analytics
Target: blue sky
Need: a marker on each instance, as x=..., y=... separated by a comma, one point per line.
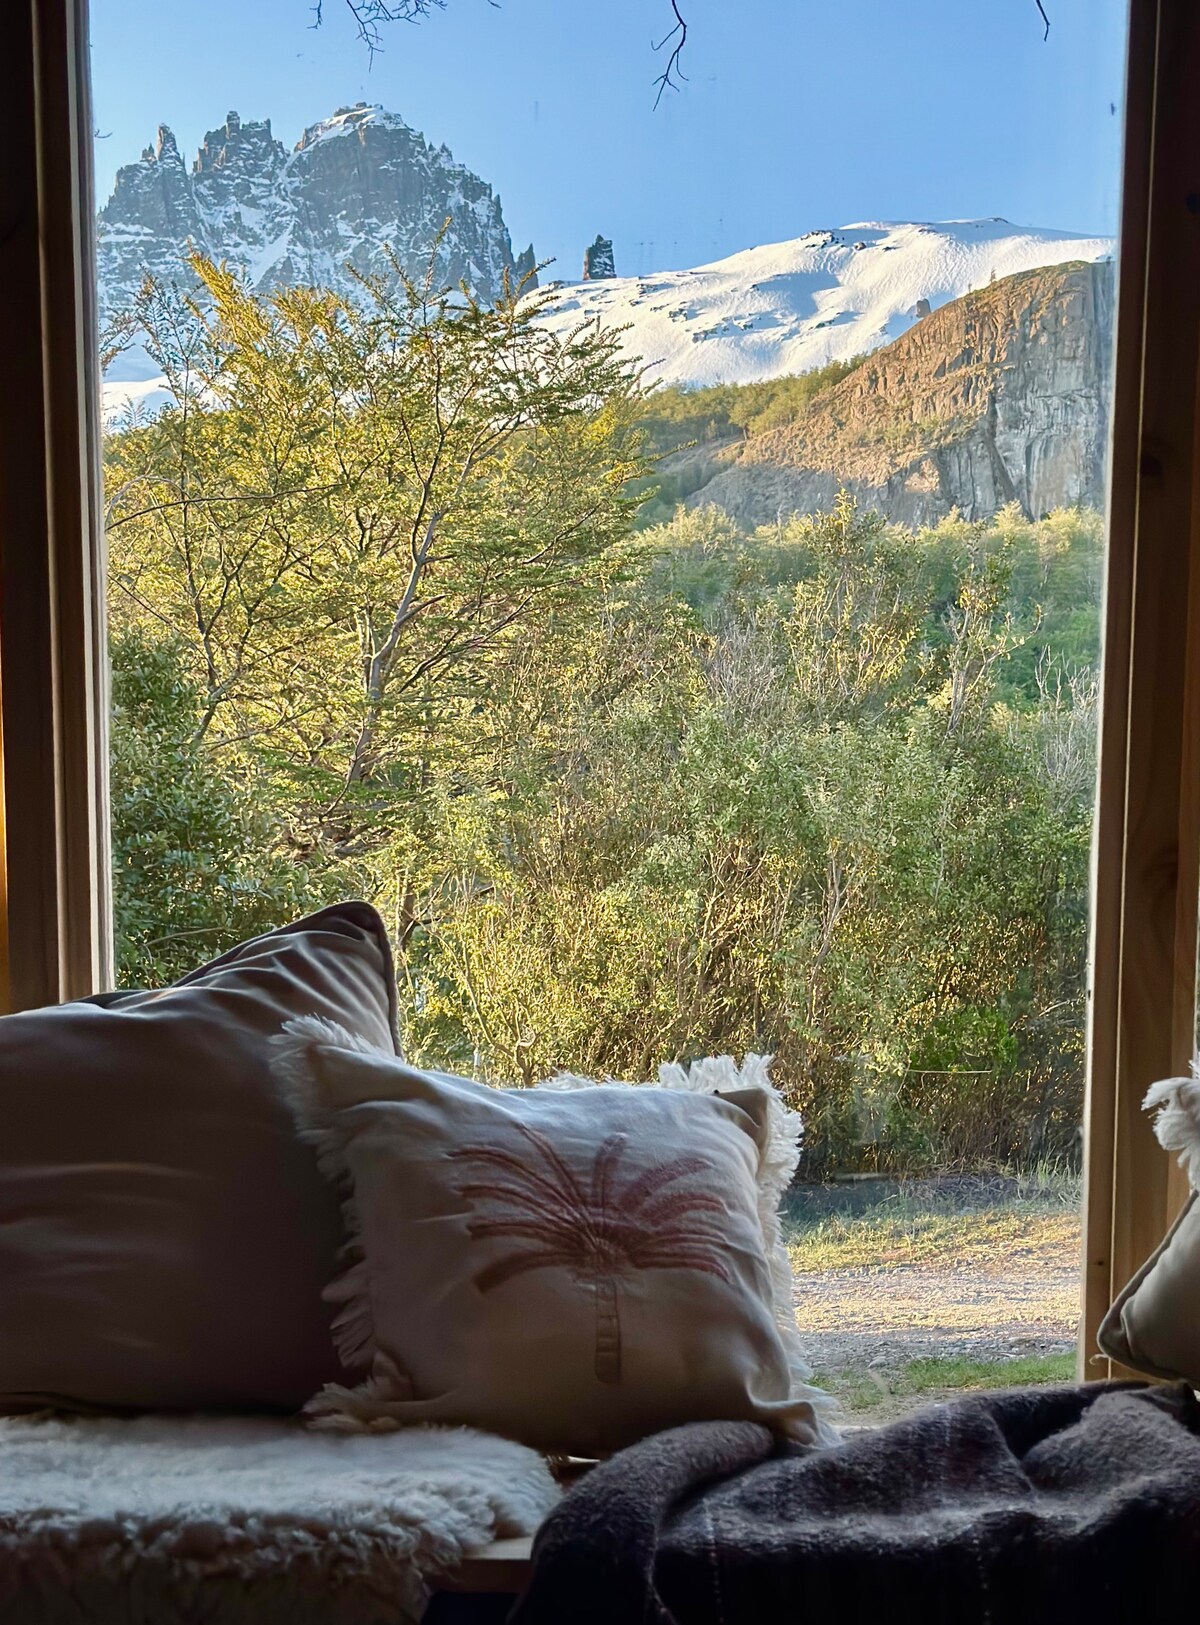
x=797, y=114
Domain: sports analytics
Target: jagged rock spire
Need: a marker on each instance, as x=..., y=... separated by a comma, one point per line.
x=525, y=271
x=598, y=260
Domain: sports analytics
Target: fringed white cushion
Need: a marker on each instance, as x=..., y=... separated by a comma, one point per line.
x=573, y=1266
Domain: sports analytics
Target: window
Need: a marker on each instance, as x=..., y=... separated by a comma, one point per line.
x=697, y=653
x=1131, y=849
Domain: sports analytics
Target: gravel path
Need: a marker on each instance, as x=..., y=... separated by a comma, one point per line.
x=881, y=1318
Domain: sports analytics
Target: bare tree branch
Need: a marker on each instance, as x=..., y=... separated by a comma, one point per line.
x=672, y=73
x=370, y=14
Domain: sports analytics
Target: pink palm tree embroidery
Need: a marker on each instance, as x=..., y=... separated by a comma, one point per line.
x=597, y=1230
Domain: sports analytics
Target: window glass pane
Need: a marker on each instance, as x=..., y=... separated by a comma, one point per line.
x=631, y=504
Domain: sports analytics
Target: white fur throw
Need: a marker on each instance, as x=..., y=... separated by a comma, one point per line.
x=1177, y=1125
x=245, y=1520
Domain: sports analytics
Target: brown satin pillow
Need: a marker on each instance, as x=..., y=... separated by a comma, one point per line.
x=164, y=1236
x=572, y=1268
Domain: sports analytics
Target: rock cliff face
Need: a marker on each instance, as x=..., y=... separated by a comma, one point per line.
x=354, y=185
x=1000, y=396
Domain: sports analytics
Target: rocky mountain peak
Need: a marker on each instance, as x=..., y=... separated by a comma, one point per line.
x=237, y=145
x=355, y=185
x=166, y=149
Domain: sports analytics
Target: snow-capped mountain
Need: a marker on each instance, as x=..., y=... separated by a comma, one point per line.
x=789, y=307
x=353, y=186
x=362, y=181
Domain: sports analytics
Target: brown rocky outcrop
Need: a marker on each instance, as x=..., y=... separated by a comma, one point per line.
x=998, y=397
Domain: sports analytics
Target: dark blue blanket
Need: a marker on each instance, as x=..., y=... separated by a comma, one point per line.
x=1033, y=1507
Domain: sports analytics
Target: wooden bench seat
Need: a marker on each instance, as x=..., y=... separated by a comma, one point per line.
x=505, y=1565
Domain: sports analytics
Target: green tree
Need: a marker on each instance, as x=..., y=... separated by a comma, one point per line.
x=349, y=515
x=778, y=802
x=384, y=624
x=193, y=871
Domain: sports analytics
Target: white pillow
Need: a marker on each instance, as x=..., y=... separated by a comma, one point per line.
x=574, y=1266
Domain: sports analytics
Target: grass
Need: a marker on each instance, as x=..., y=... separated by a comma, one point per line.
x=889, y=1241
x=871, y=1390
x=1018, y=1222
x=984, y=1266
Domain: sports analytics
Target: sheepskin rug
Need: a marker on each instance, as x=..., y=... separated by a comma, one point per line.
x=162, y=1521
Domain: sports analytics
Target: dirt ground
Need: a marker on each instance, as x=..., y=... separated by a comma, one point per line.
x=886, y=1317
x=1009, y=1303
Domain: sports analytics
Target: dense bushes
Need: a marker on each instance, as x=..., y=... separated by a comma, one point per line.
x=842, y=818
x=384, y=624
x=673, y=417
x=195, y=860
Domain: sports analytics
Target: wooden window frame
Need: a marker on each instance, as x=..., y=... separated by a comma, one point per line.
x=57, y=931
x=1146, y=856
x=55, y=911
